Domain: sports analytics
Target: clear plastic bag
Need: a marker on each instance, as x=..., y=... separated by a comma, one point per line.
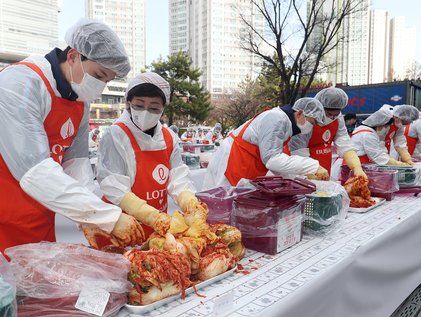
x=57, y=270
x=325, y=210
x=65, y=307
x=8, y=306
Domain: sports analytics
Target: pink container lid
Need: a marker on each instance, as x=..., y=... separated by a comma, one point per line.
x=278, y=186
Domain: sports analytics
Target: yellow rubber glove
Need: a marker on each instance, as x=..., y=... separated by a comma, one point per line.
x=127, y=232
x=145, y=213
x=353, y=161
x=185, y=199
x=321, y=174
x=405, y=156
x=393, y=162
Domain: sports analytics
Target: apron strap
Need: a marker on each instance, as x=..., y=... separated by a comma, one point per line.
x=40, y=73
x=130, y=135
x=168, y=141
x=167, y=138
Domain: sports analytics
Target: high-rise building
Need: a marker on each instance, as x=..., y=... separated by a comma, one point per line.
x=27, y=27
x=402, y=48
x=210, y=31
x=378, y=66
x=358, y=44
x=348, y=61
x=127, y=19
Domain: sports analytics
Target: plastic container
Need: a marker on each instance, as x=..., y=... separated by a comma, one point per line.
x=268, y=224
x=220, y=201
x=381, y=183
x=410, y=190
x=277, y=186
x=7, y=290
x=407, y=176
x=191, y=148
x=320, y=212
x=7, y=299
x=191, y=160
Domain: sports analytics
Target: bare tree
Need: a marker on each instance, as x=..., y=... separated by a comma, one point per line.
x=241, y=104
x=413, y=71
x=314, y=33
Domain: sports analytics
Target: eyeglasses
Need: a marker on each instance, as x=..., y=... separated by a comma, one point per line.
x=153, y=109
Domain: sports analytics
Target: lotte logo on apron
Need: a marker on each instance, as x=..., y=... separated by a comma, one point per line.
x=160, y=174
x=326, y=135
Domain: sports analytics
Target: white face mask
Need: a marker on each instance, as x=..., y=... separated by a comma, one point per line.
x=305, y=128
x=145, y=120
x=89, y=88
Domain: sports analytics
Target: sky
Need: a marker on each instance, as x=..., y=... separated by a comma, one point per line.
x=157, y=21
x=156, y=24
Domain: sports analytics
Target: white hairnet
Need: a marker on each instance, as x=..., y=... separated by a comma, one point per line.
x=406, y=113
x=174, y=128
x=97, y=42
x=150, y=78
x=218, y=126
x=311, y=107
x=332, y=98
x=380, y=117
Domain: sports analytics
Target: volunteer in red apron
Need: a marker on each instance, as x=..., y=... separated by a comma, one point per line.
x=139, y=160
x=215, y=134
x=413, y=137
x=366, y=138
x=44, y=166
x=260, y=145
x=318, y=143
x=402, y=115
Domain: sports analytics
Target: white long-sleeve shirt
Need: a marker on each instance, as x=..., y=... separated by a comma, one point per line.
x=24, y=105
x=368, y=143
x=269, y=131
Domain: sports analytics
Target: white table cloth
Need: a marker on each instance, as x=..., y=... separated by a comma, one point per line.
x=365, y=269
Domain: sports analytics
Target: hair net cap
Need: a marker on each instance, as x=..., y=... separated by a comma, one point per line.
x=174, y=128
x=150, y=78
x=312, y=108
x=218, y=126
x=380, y=117
x=332, y=98
x=406, y=113
x=97, y=42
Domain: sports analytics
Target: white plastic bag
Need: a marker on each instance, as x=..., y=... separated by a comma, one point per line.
x=326, y=209
x=8, y=306
x=53, y=270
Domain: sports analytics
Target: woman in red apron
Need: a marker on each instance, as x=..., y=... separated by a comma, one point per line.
x=366, y=138
x=320, y=141
x=402, y=115
x=411, y=141
x=140, y=160
x=261, y=145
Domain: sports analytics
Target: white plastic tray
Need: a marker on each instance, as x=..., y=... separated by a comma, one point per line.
x=379, y=201
x=137, y=309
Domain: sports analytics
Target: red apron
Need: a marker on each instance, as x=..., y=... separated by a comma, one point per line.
x=152, y=173
x=410, y=141
x=389, y=136
x=320, y=143
x=244, y=160
x=364, y=159
x=23, y=219
x=286, y=149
